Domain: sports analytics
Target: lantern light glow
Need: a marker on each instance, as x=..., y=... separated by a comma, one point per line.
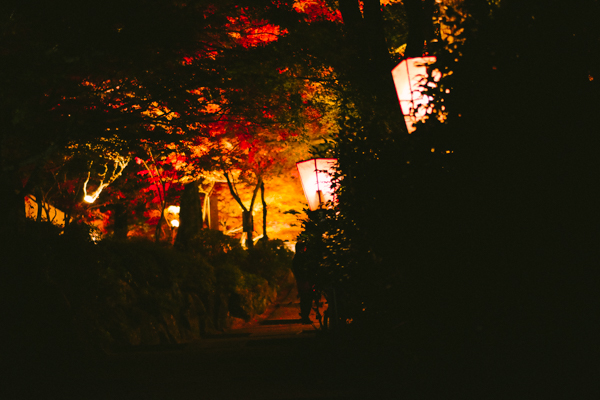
x=171, y=214
x=410, y=79
x=316, y=175
x=173, y=209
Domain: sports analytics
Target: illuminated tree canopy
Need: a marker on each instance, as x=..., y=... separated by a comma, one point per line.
x=156, y=72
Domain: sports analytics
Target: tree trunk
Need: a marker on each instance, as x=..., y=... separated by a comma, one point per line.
x=248, y=225
x=163, y=206
x=40, y=204
x=247, y=219
x=370, y=73
x=120, y=227
x=158, y=229
x=213, y=210
x=250, y=231
x=190, y=216
x=420, y=26
x=264, y=204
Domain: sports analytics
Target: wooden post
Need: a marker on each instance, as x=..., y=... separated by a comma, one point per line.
x=213, y=211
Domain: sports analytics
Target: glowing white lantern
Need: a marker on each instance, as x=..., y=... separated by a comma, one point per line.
x=410, y=79
x=172, y=216
x=316, y=175
x=173, y=209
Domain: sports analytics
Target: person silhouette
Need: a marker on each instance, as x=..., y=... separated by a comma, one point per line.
x=303, y=281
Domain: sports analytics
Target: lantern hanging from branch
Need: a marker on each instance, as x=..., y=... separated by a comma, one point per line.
x=411, y=80
x=316, y=175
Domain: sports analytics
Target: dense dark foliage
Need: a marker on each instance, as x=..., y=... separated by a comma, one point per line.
x=67, y=300
x=473, y=244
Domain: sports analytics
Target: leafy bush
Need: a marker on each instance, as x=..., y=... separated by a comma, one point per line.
x=269, y=259
x=62, y=286
x=217, y=248
x=248, y=277
x=67, y=296
x=254, y=295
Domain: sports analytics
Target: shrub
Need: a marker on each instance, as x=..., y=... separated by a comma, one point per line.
x=66, y=294
x=269, y=259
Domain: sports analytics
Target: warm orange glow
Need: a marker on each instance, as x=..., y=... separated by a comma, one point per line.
x=175, y=223
x=410, y=79
x=49, y=212
x=89, y=199
x=316, y=177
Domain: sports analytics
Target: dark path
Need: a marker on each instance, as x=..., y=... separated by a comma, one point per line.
x=273, y=358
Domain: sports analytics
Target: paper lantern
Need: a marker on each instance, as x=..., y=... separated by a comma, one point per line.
x=410, y=79
x=172, y=215
x=316, y=175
